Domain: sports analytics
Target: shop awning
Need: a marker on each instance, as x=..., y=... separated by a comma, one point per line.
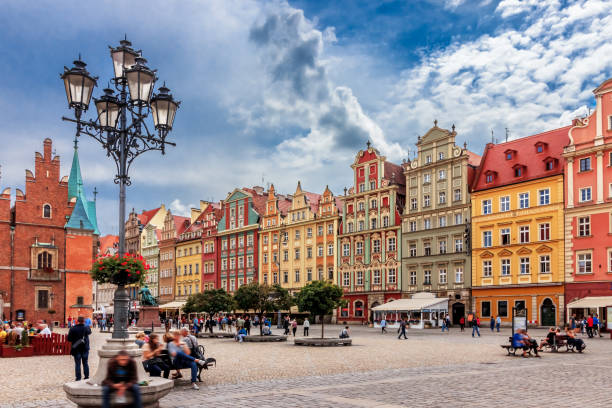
x=176, y=304
x=590, y=302
x=416, y=303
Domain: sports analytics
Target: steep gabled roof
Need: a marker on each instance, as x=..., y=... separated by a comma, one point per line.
x=494, y=159
x=394, y=173
x=146, y=216
x=180, y=224
x=79, y=218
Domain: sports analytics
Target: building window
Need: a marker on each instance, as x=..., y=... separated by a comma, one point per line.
x=505, y=267
x=42, y=299
x=45, y=260
x=330, y=273
x=249, y=261
x=427, y=248
x=544, y=196
x=458, y=219
x=427, y=277
x=309, y=274
x=376, y=246
x=359, y=280
x=346, y=249
x=412, y=251
x=441, y=156
x=545, y=264
x=459, y=274
x=487, y=269
x=373, y=223
x=426, y=200
x=585, y=194
x=413, y=278
x=610, y=260
x=391, y=246
x=489, y=178
x=442, y=221
x=457, y=195
x=524, y=266
x=386, y=221
x=442, y=246
x=458, y=245
x=442, y=276
x=361, y=206
x=485, y=309
x=518, y=172
x=376, y=276
x=585, y=264
x=442, y=197
x=350, y=227
x=426, y=178
x=524, y=234
x=413, y=226
x=361, y=187
x=413, y=203
x=487, y=239
x=373, y=203
x=285, y=276
x=297, y=234
x=320, y=250
x=361, y=225
x=524, y=200
x=584, y=226
x=346, y=279
x=392, y=277
x=505, y=236
x=372, y=185
x=442, y=175
x=359, y=248
x=486, y=207
x=46, y=211
x=585, y=164
x=330, y=249
x=426, y=223
x=309, y=252
x=320, y=230
x=297, y=275
x=544, y=231
x=344, y=312
x=297, y=253
x=428, y=159
x=502, y=308
x=358, y=309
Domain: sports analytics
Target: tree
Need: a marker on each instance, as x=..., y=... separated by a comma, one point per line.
x=262, y=299
x=319, y=298
x=210, y=301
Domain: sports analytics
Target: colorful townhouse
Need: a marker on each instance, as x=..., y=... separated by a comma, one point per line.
x=210, y=248
x=436, y=221
x=588, y=209
x=173, y=226
x=369, y=262
x=238, y=236
x=518, y=229
x=188, y=258
x=149, y=249
x=298, y=237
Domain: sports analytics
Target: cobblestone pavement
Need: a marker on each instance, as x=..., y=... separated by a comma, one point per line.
x=430, y=369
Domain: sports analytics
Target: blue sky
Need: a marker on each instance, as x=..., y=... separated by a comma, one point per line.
x=284, y=91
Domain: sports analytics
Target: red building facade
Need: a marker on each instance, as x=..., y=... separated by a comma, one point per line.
x=210, y=247
x=49, y=242
x=588, y=214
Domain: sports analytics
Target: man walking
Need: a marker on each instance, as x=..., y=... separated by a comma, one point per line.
x=306, y=327
x=475, y=328
x=402, y=330
x=498, y=323
x=78, y=335
x=383, y=326
x=589, y=328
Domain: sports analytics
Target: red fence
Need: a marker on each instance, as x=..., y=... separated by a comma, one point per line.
x=53, y=345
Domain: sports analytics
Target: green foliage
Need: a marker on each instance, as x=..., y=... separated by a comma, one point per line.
x=210, y=301
x=319, y=298
x=25, y=339
x=114, y=269
x=262, y=299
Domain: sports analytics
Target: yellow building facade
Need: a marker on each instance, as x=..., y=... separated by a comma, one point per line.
x=188, y=257
x=298, y=239
x=518, y=232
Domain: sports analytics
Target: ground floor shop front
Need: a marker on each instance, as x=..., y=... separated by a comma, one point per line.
x=358, y=308
x=545, y=304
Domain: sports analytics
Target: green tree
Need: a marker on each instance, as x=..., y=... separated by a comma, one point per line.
x=319, y=298
x=210, y=301
x=262, y=299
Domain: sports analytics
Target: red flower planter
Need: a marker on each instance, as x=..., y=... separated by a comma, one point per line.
x=9, y=351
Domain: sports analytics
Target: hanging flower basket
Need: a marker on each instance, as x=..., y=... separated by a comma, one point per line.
x=128, y=269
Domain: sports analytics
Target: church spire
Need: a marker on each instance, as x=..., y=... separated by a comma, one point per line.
x=75, y=181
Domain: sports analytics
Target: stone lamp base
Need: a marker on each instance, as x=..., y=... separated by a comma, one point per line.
x=88, y=393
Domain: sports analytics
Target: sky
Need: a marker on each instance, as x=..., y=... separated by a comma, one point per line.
x=278, y=91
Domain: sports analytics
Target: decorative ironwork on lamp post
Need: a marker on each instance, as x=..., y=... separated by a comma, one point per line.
x=121, y=129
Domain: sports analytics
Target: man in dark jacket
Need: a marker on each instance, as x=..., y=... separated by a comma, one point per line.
x=121, y=377
x=78, y=335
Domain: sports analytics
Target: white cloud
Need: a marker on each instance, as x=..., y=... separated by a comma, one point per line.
x=525, y=80
x=178, y=208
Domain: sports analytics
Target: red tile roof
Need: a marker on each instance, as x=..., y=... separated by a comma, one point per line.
x=473, y=158
x=394, y=173
x=181, y=223
x=146, y=216
x=313, y=201
x=108, y=241
x=494, y=159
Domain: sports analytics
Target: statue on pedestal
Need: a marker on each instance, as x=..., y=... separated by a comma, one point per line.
x=146, y=299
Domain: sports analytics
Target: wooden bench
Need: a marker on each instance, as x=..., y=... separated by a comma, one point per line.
x=327, y=342
x=511, y=349
x=208, y=361
x=562, y=341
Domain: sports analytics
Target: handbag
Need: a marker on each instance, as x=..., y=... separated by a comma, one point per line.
x=77, y=344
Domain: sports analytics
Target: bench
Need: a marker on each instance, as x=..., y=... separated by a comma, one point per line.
x=511, y=349
x=199, y=355
x=562, y=341
x=326, y=342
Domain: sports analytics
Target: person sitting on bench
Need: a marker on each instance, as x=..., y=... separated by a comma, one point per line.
x=531, y=342
x=344, y=334
x=266, y=330
x=573, y=341
x=179, y=353
x=549, y=340
x=518, y=342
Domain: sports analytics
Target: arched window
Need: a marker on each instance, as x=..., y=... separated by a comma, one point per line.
x=358, y=308
x=44, y=260
x=46, y=211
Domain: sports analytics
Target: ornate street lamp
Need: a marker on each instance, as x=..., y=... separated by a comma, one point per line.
x=123, y=141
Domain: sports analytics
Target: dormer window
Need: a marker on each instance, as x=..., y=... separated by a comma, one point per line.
x=519, y=170
x=541, y=147
x=490, y=176
x=550, y=163
x=510, y=154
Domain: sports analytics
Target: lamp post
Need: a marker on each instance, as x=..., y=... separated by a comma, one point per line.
x=120, y=127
